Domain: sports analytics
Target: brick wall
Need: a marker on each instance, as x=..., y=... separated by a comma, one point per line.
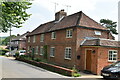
x=60, y=43
x=103, y=57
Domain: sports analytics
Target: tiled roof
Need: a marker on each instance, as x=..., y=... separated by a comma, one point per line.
x=76, y=19
x=101, y=42
x=21, y=37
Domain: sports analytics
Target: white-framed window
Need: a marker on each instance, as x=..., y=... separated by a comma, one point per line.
x=52, y=51
x=16, y=42
x=41, y=50
x=112, y=55
x=28, y=48
x=34, y=39
x=41, y=37
x=36, y=50
x=53, y=35
x=69, y=33
x=68, y=52
x=97, y=32
x=28, y=39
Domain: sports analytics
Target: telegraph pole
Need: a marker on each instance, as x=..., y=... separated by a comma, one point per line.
x=10, y=42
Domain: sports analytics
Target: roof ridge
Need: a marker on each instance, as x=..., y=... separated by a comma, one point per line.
x=92, y=19
x=80, y=15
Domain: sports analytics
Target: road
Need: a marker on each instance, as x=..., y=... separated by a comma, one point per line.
x=11, y=69
x=15, y=69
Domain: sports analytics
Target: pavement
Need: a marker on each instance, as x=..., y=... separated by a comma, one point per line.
x=16, y=69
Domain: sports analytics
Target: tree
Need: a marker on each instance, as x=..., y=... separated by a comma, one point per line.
x=13, y=14
x=7, y=39
x=110, y=25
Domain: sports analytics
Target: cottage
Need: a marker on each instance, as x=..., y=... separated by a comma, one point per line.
x=19, y=42
x=74, y=40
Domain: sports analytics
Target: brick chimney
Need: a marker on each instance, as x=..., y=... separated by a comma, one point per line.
x=18, y=34
x=60, y=15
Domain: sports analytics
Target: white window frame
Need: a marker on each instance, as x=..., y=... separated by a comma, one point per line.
x=41, y=50
x=112, y=56
x=28, y=48
x=34, y=39
x=36, y=50
x=52, y=53
x=16, y=42
x=97, y=33
x=41, y=37
x=69, y=33
x=53, y=35
x=66, y=54
x=28, y=39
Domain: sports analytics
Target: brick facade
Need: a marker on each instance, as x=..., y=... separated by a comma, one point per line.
x=99, y=58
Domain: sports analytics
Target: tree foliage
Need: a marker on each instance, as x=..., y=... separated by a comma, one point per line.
x=110, y=25
x=13, y=14
x=7, y=39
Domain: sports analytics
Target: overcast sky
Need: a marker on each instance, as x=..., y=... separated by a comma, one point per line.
x=44, y=10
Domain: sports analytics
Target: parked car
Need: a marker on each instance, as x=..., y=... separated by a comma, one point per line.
x=22, y=52
x=7, y=54
x=111, y=71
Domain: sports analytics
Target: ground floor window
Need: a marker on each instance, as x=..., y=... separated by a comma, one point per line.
x=68, y=52
x=41, y=50
x=36, y=51
x=52, y=51
x=112, y=55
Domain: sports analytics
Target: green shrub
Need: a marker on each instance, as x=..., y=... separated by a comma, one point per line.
x=3, y=51
x=75, y=72
x=76, y=75
x=37, y=59
x=17, y=54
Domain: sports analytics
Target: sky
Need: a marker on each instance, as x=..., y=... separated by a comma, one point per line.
x=44, y=10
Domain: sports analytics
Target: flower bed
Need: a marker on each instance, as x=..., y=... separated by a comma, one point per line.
x=54, y=68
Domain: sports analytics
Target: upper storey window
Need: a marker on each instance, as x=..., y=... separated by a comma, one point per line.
x=97, y=32
x=53, y=35
x=69, y=33
x=28, y=39
x=41, y=37
x=34, y=39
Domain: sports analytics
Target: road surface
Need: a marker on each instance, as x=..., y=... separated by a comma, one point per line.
x=15, y=69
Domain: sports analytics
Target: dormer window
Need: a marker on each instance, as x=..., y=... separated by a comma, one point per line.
x=97, y=32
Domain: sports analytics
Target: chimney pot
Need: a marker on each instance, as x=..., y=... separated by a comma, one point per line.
x=60, y=14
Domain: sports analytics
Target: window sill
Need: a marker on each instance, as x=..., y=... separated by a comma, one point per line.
x=41, y=54
x=68, y=37
x=52, y=56
x=112, y=61
x=67, y=58
x=53, y=38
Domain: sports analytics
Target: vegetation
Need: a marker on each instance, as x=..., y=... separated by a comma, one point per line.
x=3, y=51
x=110, y=25
x=13, y=14
x=6, y=40
x=75, y=72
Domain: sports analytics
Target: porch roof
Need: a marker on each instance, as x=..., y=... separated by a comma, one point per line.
x=101, y=42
